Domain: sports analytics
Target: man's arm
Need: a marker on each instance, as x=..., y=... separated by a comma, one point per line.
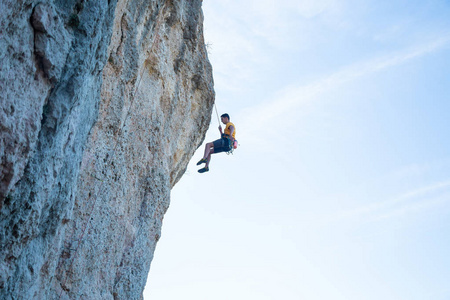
x=231, y=132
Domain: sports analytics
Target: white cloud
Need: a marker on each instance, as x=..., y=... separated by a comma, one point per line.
x=243, y=36
x=416, y=170
x=295, y=98
x=415, y=207
x=410, y=201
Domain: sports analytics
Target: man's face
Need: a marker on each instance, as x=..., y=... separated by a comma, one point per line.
x=224, y=120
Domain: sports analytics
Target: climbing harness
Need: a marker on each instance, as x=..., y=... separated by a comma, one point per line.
x=233, y=146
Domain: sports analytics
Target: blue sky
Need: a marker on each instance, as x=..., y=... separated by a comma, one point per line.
x=340, y=188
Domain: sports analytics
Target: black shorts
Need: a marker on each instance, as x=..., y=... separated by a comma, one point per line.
x=222, y=145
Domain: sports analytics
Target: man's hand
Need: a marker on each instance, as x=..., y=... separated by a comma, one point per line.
x=220, y=129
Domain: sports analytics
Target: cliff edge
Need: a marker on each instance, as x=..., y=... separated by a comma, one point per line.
x=103, y=104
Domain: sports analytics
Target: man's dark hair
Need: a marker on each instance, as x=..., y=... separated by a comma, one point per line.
x=225, y=116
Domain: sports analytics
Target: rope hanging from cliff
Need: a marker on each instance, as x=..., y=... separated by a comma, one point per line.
x=218, y=119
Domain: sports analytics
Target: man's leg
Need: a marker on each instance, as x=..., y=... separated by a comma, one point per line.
x=208, y=151
x=211, y=151
x=208, y=148
x=207, y=155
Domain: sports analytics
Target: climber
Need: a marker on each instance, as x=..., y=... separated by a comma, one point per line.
x=224, y=144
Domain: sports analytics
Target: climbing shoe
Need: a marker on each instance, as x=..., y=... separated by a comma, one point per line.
x=205, y=169
x=201, y=161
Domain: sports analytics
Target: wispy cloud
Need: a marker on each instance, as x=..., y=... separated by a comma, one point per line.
x=418, y=170
x=298, y=97
x=415, y=207
x=284, y=24
x=243, y=39
x=410, y=201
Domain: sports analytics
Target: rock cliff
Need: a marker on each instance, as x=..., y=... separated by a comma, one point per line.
x=103, y=103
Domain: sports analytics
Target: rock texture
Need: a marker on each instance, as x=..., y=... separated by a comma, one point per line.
x=103, y=103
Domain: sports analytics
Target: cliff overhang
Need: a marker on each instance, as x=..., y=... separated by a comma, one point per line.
x=103, y=105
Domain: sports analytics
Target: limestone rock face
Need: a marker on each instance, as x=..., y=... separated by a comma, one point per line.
x=103, y=103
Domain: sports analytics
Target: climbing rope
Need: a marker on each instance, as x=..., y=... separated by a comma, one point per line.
x=218, y=119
